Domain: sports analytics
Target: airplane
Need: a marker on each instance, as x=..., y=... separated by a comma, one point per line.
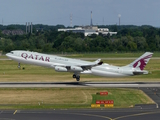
x=77, y=67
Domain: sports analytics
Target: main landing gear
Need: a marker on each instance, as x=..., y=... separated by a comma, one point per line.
x=76, y=76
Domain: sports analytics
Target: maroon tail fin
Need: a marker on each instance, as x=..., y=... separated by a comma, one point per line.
x=142, y=61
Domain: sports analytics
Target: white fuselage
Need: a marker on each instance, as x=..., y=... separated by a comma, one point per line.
x=52, y=61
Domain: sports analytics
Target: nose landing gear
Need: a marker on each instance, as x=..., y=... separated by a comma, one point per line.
x=19, y=65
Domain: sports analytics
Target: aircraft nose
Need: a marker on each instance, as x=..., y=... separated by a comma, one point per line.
x=8, y=54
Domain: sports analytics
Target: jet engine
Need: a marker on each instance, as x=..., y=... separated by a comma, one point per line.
x=60, y=69
x=76, y=69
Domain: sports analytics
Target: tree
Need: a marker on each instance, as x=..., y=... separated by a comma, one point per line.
x=67, y=43
x=47, y=48
x=78, y=45
x=157, y=39
x=141, y=43
x=8, y=45
x=132, y=46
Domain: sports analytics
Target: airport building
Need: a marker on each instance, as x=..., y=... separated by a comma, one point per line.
x=89, y=30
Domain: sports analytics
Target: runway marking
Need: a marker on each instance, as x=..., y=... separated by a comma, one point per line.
x=134, y=115
x=15, y=112
x=85, y=97
x=90, y=95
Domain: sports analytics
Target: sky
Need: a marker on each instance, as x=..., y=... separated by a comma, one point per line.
x=104, y=12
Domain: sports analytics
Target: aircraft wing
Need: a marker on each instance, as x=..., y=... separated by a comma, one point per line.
x=95, y=63
x=75, y=68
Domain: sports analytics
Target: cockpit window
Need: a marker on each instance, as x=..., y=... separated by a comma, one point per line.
x=11, y=52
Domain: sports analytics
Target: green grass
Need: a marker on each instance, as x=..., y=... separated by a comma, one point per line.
x=109, y=55
x=3, y=57
x=53, y=98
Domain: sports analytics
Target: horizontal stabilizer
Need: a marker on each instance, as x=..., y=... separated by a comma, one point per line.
x=140, y=72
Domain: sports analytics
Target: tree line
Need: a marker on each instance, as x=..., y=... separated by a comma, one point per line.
x=128, y=39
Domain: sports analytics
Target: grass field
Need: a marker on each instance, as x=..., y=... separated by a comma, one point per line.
x=124, y=97
x=51, y=98
x=100, y=55
x=108, y=55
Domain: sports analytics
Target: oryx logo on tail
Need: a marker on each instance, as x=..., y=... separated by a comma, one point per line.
x=142, y=62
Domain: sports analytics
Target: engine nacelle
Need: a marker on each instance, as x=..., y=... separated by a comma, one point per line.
x=76, y=69
x=60, y=69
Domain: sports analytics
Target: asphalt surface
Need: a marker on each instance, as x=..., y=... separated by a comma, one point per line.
x=153, y=93
x=80, y=84
x=83, y=114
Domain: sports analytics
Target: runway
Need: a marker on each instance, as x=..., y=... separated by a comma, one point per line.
x=89, y=114
x=79, y=84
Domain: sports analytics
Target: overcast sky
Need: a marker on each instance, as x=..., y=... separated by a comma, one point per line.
x=53, y=12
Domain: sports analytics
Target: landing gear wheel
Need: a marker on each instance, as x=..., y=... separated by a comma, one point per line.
x=19, y=65
x=77, y=77
x=74, y=75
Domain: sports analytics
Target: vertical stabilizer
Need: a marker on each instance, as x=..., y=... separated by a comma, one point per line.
x=142, y=61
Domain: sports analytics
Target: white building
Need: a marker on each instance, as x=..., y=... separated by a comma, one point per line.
x=88, y=30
